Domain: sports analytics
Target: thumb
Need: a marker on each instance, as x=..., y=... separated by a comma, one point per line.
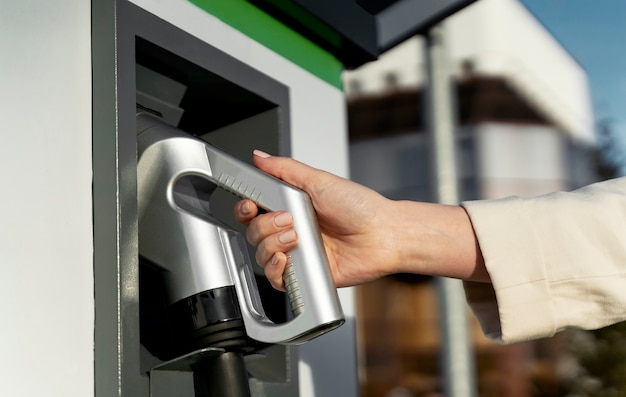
x=287, y=169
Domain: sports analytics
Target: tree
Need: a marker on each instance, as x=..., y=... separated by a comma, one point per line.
x=610, y=156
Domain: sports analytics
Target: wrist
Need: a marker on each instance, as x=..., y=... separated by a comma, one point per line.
x=436, y=240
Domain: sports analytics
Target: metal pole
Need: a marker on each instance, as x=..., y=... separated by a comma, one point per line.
x=456, y=359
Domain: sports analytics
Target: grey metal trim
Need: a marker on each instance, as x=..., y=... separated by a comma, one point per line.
x=359, y=31
x=407, y=18
x=114, y=221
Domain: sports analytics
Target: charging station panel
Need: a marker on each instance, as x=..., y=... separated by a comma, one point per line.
x=203, y=91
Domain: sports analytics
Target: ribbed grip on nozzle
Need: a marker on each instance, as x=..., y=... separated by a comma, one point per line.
x=293, y=290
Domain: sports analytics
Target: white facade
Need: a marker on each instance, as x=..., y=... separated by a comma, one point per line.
x=499, y=38
x=494, y=38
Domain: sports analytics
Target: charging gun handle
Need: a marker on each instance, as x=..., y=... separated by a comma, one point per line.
x=311, y=291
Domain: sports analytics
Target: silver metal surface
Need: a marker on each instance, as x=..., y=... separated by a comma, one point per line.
x=177, y=173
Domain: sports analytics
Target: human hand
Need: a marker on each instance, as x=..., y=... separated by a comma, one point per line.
x=351, y=217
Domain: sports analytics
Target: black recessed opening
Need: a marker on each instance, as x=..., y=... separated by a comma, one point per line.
x=210, y=101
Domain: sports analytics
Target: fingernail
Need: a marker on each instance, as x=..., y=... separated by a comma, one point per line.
x=287, y=237
x=283, y=219
x=244, y=208
x=274, y=260
x=261, y=154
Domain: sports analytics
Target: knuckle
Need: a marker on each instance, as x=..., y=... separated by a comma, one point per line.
x=260, y=259
x=252, y=236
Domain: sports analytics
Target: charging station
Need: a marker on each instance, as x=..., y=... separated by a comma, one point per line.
x=238, y=100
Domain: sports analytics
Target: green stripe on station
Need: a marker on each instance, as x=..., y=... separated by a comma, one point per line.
x=271, y=33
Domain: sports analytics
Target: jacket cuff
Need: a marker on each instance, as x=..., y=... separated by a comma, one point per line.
x=514, y=259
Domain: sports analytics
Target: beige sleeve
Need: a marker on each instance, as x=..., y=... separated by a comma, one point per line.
x=555, y=261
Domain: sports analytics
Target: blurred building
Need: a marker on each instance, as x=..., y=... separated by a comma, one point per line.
x=525, y=127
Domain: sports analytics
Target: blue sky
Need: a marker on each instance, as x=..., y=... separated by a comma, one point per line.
x=594, y=32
